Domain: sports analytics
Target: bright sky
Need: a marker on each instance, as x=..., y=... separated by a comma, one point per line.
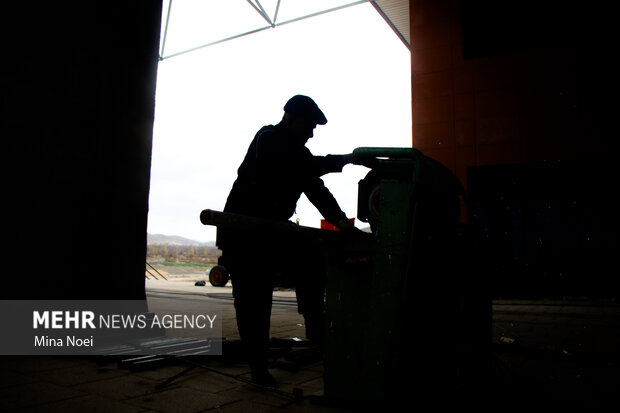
x=211, y=102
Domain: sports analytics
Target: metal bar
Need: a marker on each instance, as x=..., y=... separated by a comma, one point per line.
x=385, y=152
x=275, y=16
x=376, y=157
x=264, y=12
x=152, y=275
x=216, y=42
x=173, y=378
x=344, y=6
x=260, y=11
x=293, y=231
x=253, y=224
x=155, y=269
x=271, y=25
x=163, y=44
x=296, y=394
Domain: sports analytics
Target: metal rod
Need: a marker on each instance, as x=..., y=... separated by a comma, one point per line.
x=385, y=152
x=344, y=6
x=260, y=11
x=253, y=224
x=294, y=231
x=275, y=16
x=152, y=275
x=272, y=25
x=155, y=269
x=216, y=42
x=296, y=394
x=173, y=378
x=163, y=44
x=264, y=12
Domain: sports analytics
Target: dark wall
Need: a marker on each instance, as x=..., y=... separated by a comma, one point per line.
x=547, y=229
x=497, y=82
x=519, y=99
x=78, y=90
x=547, y=215
x=491, y=28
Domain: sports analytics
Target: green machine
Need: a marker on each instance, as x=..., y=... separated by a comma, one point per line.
x=398, y=307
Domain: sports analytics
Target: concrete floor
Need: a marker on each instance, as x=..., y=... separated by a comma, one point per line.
x=545, y=353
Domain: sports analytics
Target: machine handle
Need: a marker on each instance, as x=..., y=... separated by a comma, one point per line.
x=372, y=156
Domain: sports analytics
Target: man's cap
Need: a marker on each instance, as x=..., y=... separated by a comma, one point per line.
x=300, y=105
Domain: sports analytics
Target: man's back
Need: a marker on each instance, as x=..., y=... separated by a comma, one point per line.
x=275, y=172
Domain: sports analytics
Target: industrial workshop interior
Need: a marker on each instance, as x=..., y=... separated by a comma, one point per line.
x=488, y=278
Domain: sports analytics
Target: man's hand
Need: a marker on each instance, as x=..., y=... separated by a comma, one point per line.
x=349, y=158
x=345, y=226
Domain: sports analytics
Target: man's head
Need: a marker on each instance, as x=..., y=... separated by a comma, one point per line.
x=305, y=107
x=301, y=115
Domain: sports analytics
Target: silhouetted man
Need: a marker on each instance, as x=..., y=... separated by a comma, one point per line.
x=276, y=170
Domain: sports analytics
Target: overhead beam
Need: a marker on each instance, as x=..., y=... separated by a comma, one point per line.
x=272, y=24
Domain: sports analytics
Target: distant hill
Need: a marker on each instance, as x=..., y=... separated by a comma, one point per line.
x=160, y=239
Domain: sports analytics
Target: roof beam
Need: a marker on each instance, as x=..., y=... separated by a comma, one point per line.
x=260, y=10
x=272, y=24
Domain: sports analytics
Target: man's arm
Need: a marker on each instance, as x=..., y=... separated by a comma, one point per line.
x=324, y=201
x=322, y=165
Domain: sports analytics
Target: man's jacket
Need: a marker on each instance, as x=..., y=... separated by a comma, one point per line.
x=275, y=172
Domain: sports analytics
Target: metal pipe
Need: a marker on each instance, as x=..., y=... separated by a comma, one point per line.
x=275, y=15
x=228, y=220
x=243, y=222
x=155, y=269
x=260, y=10
x=271, y=25
x=163, y=44
x=344, y=6
x=385, y=152
x=377, y=157
x=216, y=42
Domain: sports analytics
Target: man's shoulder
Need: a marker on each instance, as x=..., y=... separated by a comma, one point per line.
x=270, y=135
x=269, y=129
